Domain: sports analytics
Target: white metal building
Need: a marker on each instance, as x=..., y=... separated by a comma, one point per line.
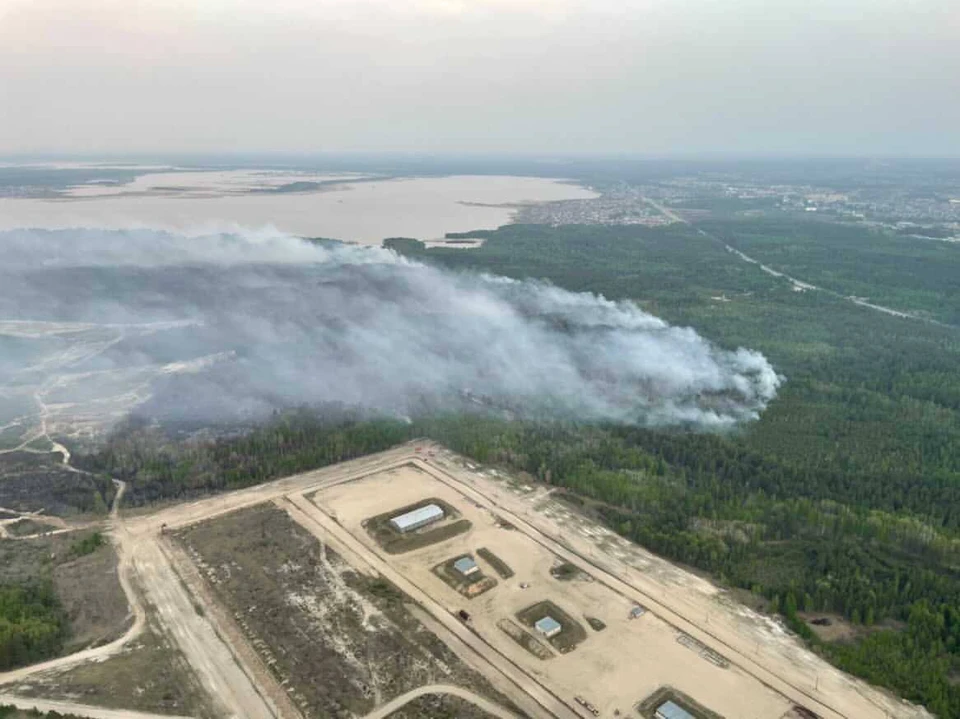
x=416, y=518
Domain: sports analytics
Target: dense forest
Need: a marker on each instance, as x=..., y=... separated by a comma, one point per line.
x=32, y=624
x=843, y=498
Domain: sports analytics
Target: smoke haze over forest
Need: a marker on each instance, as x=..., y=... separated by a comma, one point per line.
x=232, y=326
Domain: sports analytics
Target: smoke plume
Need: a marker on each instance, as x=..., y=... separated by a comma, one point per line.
x=234, y=325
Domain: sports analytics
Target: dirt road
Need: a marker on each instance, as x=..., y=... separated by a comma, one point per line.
x=244, y=689
x=841, y=696
x=117, y=498
x=230, y=674
x=124, y=574
x=498, y=667
x=215, y=664
x=393, y=705
x=624, y=587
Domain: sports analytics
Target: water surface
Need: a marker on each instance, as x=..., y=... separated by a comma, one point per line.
x=353, y=208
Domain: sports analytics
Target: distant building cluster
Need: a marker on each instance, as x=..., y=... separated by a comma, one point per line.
x=882, y=205
x=624, y=205
x=708, y=194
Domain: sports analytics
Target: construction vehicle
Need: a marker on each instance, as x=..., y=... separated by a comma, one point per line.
x=587, y=705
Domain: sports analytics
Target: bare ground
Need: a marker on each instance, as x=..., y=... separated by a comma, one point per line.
x=148, y=676
x=757, y=642
x=756, y=646
x=26, y=526
x=147, y=673
x=310, y=614
x=90, y=591
x=614, y=669
x=31, y=482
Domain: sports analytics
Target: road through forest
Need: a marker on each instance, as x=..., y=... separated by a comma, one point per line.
x=799, y=285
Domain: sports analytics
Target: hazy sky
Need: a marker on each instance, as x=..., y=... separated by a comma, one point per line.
x=646, y=76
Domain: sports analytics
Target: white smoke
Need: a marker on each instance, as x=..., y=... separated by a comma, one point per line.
x=290, y=322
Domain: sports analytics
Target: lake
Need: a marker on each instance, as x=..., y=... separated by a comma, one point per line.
x=342, y=206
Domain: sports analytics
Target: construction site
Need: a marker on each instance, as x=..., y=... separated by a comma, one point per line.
x=413, y=582
x=534, y=622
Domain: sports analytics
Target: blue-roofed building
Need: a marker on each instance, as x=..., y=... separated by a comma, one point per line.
x=548, y=627
x=670, y=710
x=466, y=566
x=416, y=518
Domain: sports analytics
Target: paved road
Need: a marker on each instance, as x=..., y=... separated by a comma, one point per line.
x=83, y=710
x=385, y=710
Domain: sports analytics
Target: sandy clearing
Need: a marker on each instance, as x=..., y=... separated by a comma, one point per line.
x=614, y=669
x=497, y=671
x=755, y=645
x=746, y=631
x=689, y=601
